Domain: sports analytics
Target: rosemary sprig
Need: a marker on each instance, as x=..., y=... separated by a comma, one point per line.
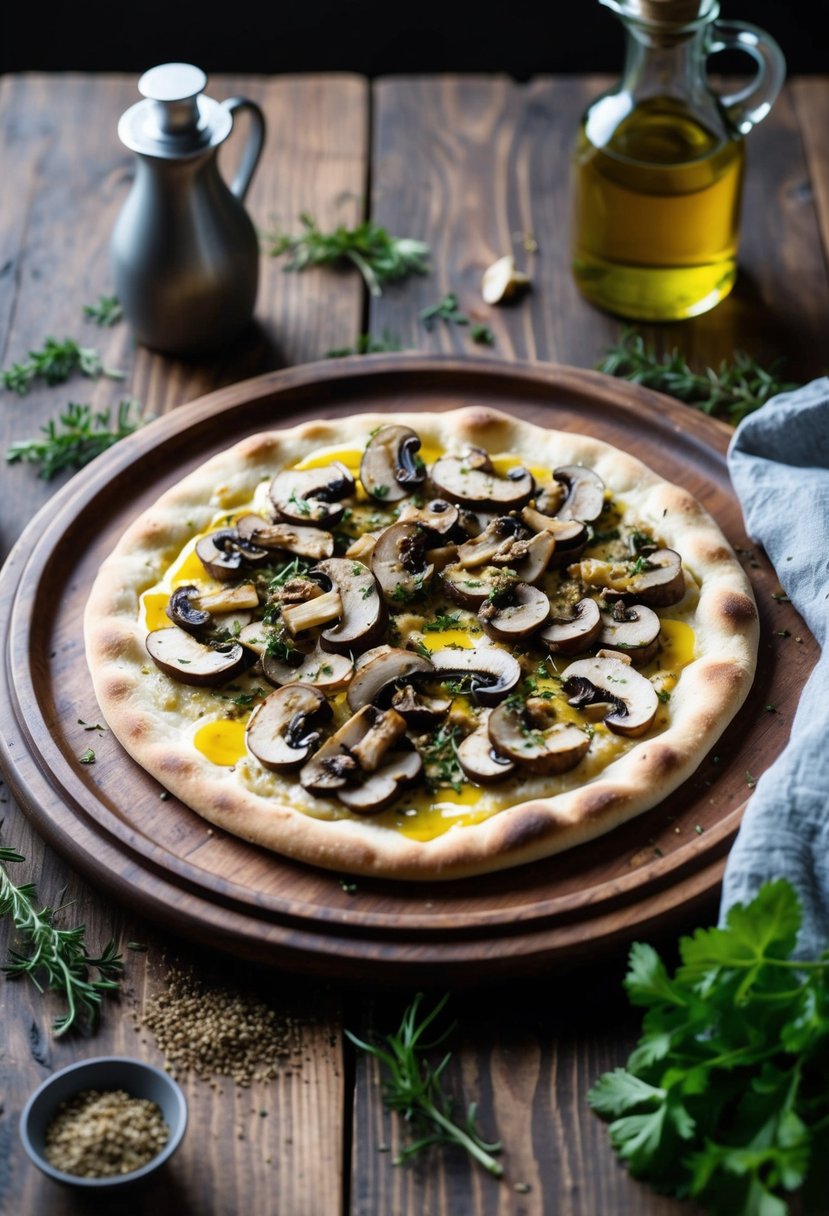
x=379, y=257
x=733, y=389
x=445, y=310
x=57, y=958
x=412, y=1086
x=75, y=438
x=106, y=312
x=55, y=363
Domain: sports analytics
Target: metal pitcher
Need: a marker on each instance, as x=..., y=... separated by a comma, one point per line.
x=185, y=253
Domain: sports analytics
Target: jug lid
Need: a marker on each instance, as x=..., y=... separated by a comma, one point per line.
x=175, y=119
x=666, y=13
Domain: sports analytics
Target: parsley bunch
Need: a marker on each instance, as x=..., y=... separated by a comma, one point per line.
x=726, y=1097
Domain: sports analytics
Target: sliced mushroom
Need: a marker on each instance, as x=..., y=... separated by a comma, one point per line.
x=495, y=673
x=390, y=468
x=472, y=481
x=631, y=699
x=656, y=580
x=290, y=538
x=478, y=758
x=516, y=614
x=183, y=609
x=224, y=553
x=385, y=728
x=576, y=633
x=503, y=542
x=552, y=749
x=470, y=588
x=280, y=732
x=540, y=552
x=633, y=629
x=420, y=710
x=312, y=496
x=376, y=679
x=180, y=655
x=362, y=740
x=399, y=563
x=570, y=535
x=313, y=612
x=585, y=493
x=438, y=516
x=330, y=672
x=364, y=613
x=384, y=786
x=230, y=599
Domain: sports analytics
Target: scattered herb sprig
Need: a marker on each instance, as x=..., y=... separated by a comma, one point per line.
x=446, y=310
x=54, y=363
x=412, y=1086
x=726, y=1097
x=76, y=437
x=106, y=312
x=732, y=390
x=56, y=959
x=379, y=257
x=367, y=345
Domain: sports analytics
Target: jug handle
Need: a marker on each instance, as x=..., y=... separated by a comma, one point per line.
x=750, y=105
x=253, y=147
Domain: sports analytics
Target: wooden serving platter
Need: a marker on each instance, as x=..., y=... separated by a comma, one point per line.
x=111, y=822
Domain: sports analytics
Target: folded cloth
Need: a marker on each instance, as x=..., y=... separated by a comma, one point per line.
x=779, y=464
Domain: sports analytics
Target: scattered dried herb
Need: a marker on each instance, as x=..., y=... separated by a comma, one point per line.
x=104, y=1134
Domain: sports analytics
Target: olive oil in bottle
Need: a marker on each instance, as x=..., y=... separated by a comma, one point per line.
x=658, y=165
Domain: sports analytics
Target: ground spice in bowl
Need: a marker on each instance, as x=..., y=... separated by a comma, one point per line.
x=104, y=1133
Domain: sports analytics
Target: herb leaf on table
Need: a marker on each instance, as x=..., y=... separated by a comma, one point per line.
x=54, y=958
x=446, y=310
x=380, y=257
x=726, y=1096
x=77, y=436
x=412, y=1086
x=732, y=390
x=55, y=362
x=107, y=311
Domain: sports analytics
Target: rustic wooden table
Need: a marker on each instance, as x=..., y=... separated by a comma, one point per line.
x=468, y=164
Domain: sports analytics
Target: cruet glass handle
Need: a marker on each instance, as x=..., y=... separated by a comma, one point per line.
x=253, y=147
x=751, y=104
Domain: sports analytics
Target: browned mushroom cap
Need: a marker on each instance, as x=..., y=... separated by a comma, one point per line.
x=385, y=667
x=420, y=710
x=479, y=759
x=438, y=516
x=631, y=699
x=570, y=535
x=540, y=552
x=290, y=538
x=514, y=614
x=183, y=609
x=578, y=632
x=470, y=588
x=585, y=493
x=549, y=749
x=357, y=747
x=280, y=733
x=390, y=468
x=364, y=613
x=495, y=673
x=503, y=542
x=656, y=580
x=472, y=481
x=383, y=787
x=399, y=562
x=633, y=629
x=329, y=672
x=224, y=553
x=312, y=496
x=180, y=655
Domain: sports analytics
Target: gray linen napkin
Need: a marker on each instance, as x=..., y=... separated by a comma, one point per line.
x=779, y=464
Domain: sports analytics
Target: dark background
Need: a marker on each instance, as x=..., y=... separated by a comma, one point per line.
x=519, y=37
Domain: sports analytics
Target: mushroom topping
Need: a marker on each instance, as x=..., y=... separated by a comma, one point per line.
x=535, y=740
x=470, y=588
x=540, y=550
x=383, y=669
x=223, y=553
x=501, y=281
x=585, y=493
x=515, y=613
x=290, y=538
x=633, y=629
x=230, y=599
x=317, y=610
x=576, y=633
x=390, y=468
x=472, y=481
x=438, y=516
x=503, y=542
x=180, y=655
x=494, y=672
x=479, y=759
x=280, y=731
x=402, y=769
x=399, y=562
x=184, y=611
x=311, y=496
x=570, y=535
x=656, y=580
x=359, y=745
x=364, y=613
x=631, y=699
x=330, y=672
x=420, y=711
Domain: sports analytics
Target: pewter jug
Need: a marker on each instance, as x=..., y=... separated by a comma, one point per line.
x=184, y=251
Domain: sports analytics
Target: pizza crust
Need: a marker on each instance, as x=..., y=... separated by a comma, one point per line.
x=140, y=704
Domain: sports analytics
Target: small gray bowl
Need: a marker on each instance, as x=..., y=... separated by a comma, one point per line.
x=104, y=1072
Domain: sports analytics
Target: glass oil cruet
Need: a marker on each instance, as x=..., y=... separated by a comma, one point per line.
x=658, y=164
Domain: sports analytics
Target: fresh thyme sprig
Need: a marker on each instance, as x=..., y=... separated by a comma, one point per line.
x=75, y=438
x=733, y=389
x=379, y=257
x=56, y=958
x=55, y=363
x=106, y=312
x=412, y=1086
